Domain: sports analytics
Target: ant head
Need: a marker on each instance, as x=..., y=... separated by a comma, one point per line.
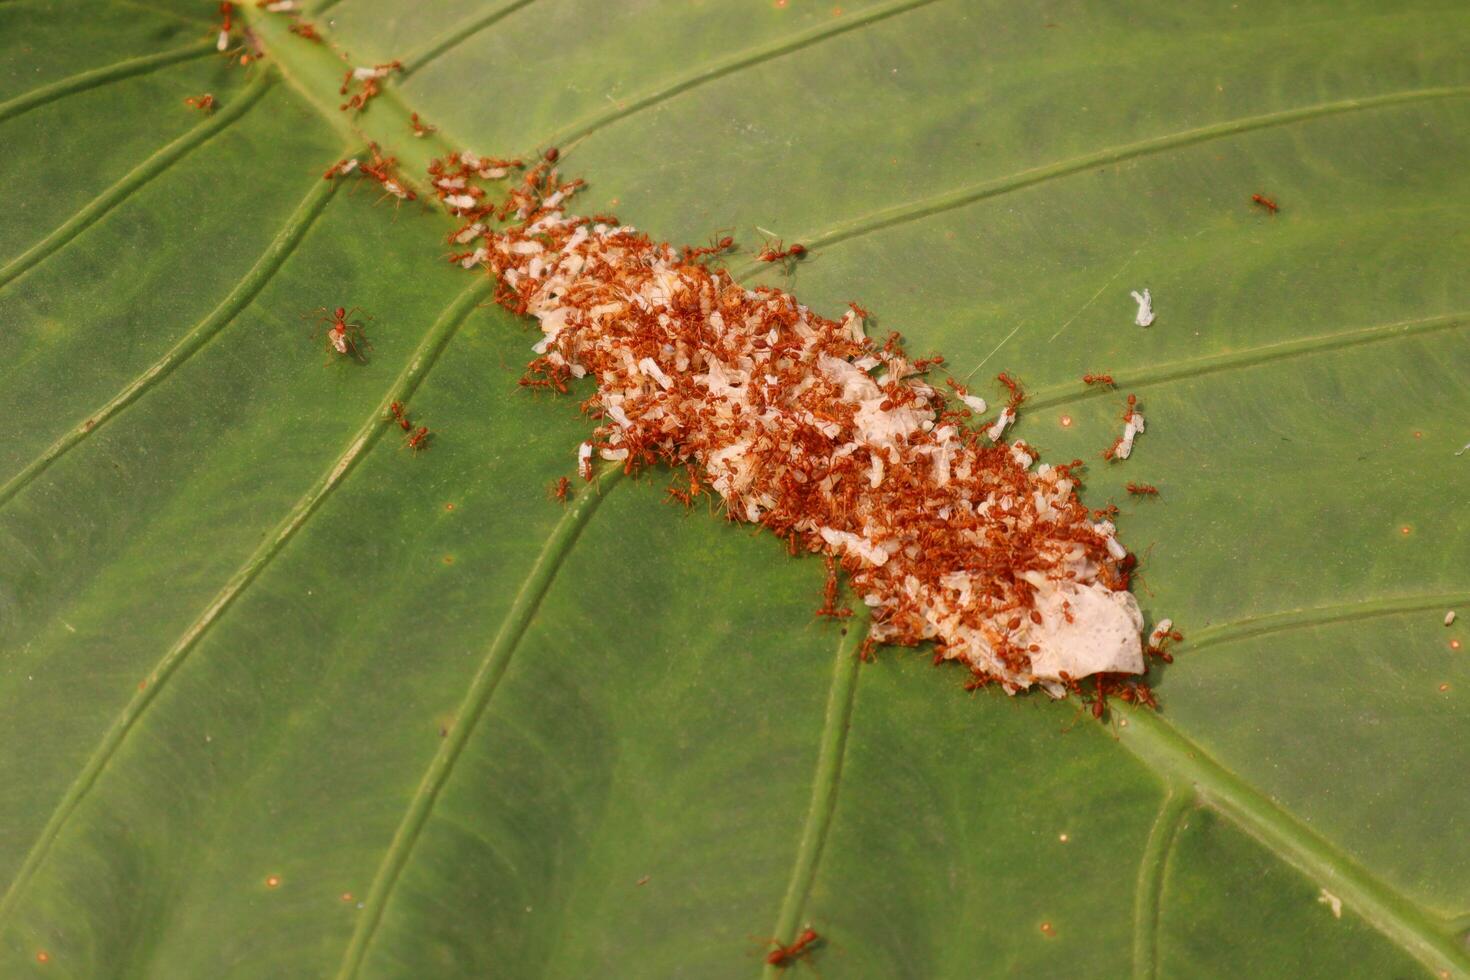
x=341, y=312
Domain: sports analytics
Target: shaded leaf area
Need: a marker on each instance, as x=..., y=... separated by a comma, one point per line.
x=280, y=697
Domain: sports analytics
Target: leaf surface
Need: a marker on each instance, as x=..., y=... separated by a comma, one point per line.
x=278, y=697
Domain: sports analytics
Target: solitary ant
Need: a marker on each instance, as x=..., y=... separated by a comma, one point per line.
x=344, y=336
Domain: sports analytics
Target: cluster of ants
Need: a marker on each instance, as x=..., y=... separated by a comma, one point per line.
x=380, y=168
x=345, y=339
x=369, y=76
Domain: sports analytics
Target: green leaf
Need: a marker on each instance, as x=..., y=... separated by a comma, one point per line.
x=279, y=698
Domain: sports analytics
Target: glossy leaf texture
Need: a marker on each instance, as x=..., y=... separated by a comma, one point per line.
x=281, y=698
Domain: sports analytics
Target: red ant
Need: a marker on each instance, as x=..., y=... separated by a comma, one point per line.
x=1098, y=379
x=1143, y=489
x=419, y=440
x=1014, y=386
x=978, y=681
x=1265, y=202
x=783, y=955
x=777, y=254
x=421, y=129
x=344, y=336
x=1100, y=703
x=1159, y=645
x=561, y=489
x=829, y=595
x=382, y=169
x=395, y=411
x=685, y=497
x=341, y=168
x=227, y=23
x=305, y=31
x=204, y=103
x=715, y=247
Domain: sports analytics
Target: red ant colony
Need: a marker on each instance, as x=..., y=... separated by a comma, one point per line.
x=833, y=441
x=837, y=443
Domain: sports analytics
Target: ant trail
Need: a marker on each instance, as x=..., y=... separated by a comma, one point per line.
x=1096, y=294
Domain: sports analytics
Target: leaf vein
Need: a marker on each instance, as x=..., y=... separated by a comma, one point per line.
x=828, y=776
x=136, y=178
x=1153, y=867
x=486, y=679
x=458, y=35
x=1169, y=751
x=960, y=197
x=100, y=76
x=434, y=341
x=247, y=289
x=1323, y=616
x=1076, y=391
x=733, y=64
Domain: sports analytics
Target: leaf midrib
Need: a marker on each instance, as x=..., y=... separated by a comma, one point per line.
x=1171, y=754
